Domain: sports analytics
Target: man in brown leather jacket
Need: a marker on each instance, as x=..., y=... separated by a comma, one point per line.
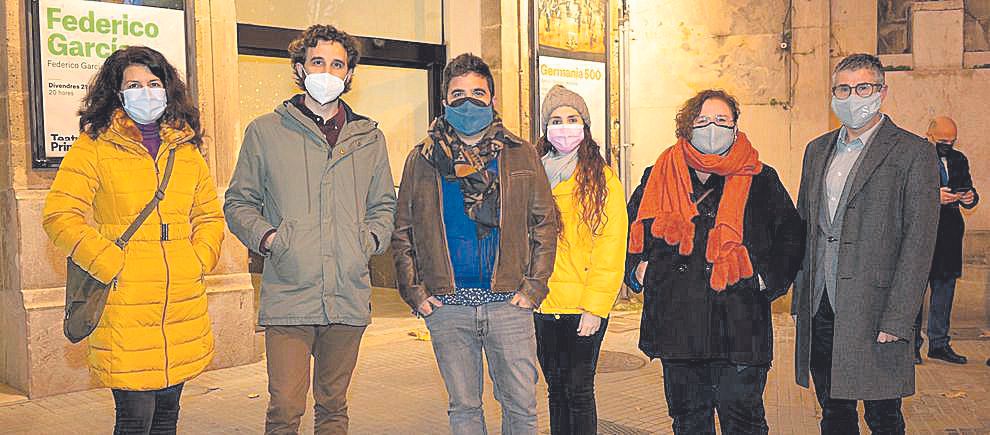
x=474, y=245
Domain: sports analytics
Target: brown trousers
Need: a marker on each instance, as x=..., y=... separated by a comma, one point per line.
x=334, y=349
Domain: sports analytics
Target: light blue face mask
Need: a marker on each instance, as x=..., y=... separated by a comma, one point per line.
x=713, y=138
x=855, y=112
x=144, y=105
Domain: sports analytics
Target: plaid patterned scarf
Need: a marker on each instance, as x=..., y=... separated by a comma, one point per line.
x=468, y=164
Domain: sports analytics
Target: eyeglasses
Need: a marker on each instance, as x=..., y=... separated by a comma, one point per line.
x=863, y=90
x=720, y=120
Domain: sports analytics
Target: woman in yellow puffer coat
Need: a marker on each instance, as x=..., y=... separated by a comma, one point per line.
x=155, y=333
x=590, y=261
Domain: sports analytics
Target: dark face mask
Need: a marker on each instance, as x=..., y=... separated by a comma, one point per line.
x=942, y=148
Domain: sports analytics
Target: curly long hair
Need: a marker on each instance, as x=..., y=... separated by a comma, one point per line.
x=692, y=107
x=590, y=176
x=103, y=97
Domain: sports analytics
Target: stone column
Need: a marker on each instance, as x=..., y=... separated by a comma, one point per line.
x=500, y=35
x=14, y=157
x=462, y=27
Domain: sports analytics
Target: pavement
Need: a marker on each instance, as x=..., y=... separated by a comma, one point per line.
x=397, y=390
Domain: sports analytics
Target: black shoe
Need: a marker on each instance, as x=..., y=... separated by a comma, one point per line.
x=917, y=357
x=988, y=361
x=947, y=354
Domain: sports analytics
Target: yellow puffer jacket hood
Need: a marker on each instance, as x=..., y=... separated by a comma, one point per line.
x=155, y=331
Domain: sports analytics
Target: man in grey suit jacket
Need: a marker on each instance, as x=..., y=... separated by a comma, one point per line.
x=869, y=196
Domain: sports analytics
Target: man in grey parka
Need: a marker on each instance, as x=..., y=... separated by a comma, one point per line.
x=313, y=193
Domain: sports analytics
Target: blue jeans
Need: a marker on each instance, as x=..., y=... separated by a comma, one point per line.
x=506, y=335
x=939, y=312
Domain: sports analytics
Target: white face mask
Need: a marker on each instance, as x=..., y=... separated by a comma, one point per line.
x=713, y=138
x=144, y=105
x=324, y=87
x=855, y=112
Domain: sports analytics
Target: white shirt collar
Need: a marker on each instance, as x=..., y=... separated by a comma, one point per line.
x=863, y=138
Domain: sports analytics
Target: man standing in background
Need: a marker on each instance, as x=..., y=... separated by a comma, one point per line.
x=956, y=190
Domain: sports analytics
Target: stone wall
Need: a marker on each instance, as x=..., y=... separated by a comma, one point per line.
x=680, y=48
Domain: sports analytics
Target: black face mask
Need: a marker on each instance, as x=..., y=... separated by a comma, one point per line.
x=943, y=148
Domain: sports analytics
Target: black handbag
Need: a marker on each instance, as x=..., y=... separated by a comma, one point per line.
x=86, y=296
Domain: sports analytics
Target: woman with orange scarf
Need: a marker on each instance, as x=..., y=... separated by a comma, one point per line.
x=714, y=238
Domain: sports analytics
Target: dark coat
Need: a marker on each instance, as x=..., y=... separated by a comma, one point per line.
x=683, y=318
x=947, y=263
x=887, y=239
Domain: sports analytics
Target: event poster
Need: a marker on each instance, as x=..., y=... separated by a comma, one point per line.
x=76, y=37
x=587, y=79
x=572, y=25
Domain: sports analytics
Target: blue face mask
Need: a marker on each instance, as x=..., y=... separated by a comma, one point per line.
x=468, y=115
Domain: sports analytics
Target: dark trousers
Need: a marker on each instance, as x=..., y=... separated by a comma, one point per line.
x=147, y=412
x=939, y=310
x=696, y=390
x=569, y=363
x=839, y=416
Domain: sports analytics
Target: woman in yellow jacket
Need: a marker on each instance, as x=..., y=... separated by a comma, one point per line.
x=155, y=333
x=588, y=269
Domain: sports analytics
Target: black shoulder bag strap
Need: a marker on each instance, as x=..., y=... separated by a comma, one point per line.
x=148, y=209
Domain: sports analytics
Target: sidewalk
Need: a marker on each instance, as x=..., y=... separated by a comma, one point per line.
x=397, y=390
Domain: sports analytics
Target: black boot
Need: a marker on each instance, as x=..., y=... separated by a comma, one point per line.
x=946, y=354
x=917, y=357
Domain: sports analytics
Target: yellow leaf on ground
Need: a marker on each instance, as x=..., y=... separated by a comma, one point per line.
x=954, y=394
x=420, y=334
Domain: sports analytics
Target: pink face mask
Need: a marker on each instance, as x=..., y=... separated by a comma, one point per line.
x=565, y=137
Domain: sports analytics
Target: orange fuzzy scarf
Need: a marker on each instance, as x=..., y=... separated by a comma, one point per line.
x=667, y=200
